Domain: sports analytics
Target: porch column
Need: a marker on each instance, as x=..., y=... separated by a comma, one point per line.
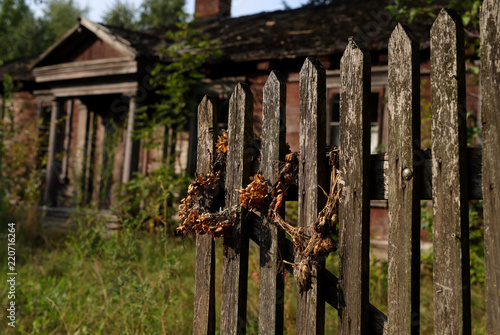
x=131, y=151
x=52, y=170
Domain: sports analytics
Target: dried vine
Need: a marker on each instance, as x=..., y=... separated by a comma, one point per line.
x=312, y=243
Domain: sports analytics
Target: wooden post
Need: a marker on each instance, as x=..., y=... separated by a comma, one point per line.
x=129, y=161
x=89, y=157
x=271, y=293
x=312, y=175
x=450, y=205
x=238, y=170
x=98, y=161
x=404, y=202
x=354, y=206
x=53, y=166
x=66, y=140
x=80, y=148
x=490, y=109
x=204, y=297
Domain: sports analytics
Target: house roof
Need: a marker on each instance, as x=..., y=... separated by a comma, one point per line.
x=19, y=68
x=306, y=31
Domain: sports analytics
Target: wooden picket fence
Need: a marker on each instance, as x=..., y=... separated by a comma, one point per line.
x=450, y=177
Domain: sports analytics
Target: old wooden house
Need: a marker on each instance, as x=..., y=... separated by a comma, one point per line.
x=96, y=74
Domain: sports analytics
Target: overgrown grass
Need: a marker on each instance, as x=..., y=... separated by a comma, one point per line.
x=92, y=282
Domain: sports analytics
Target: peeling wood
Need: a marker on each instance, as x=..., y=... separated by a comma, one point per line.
x=204, y=297
x=404, y=202
x=490, y=106
x=271, y=281
x=312, y=174
x=451, y=274
x=354, y=205
x=240, y=155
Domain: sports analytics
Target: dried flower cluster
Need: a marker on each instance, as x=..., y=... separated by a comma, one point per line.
x=196, y=210
x=255, y=196
x=221, y=148
x=311, y=243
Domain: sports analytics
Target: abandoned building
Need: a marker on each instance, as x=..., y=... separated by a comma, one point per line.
x=97, y=73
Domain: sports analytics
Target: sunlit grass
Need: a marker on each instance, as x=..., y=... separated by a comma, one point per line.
x=139, y=284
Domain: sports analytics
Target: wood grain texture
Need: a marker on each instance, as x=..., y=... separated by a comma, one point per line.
x=240, y=155
x=271, y=282
x=312, y=174
x=52, y=175
x=354, y=205
x=490, y=109
x=404, y=202
x=449, y=185
x=377, y=321
x=204, y=296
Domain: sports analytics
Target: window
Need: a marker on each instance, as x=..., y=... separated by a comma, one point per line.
x=333, y=119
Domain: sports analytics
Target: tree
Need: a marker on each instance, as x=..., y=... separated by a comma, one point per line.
x=468, y=10
x=19, y=30
x=175, y=83
x=121, y=14
x=59, y=17
x=161, y=12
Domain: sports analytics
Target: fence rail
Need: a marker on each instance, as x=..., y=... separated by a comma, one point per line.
x=450, y=176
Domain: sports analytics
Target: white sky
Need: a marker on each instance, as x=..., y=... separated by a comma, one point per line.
x=238, y=7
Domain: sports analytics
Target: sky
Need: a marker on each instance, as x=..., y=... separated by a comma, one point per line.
x=238, y=7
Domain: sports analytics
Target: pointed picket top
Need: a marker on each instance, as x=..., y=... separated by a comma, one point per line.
x=355, y=50
x=446, y=17
x=275, y=79
x=312, y=67
x=402, y=35
x=273, y=122
x=207, y=120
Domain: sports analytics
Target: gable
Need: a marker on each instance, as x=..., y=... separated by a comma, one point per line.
x=86, y=41
x=93, y=48
x=80, y=45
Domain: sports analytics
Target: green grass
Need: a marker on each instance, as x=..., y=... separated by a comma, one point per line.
x=138, y=284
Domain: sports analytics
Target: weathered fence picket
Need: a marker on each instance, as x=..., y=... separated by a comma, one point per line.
x=204, y=297
x=272, y=290
x=490, y=107
x=240, y=154
x=354, y=204
x=449, y=186
x=450, y=175
x=312, y=174
x=404, y=202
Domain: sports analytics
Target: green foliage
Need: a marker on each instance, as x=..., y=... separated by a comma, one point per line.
x=147, y=201
x=469, y=10
x=19, y=181
x=22, y=34
x=92, y=283
x=175, y=83
x=476, y=243
x=121, y=14
x=58, y=17
x=19, y=30
x=476, y=239
x=161, y=12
